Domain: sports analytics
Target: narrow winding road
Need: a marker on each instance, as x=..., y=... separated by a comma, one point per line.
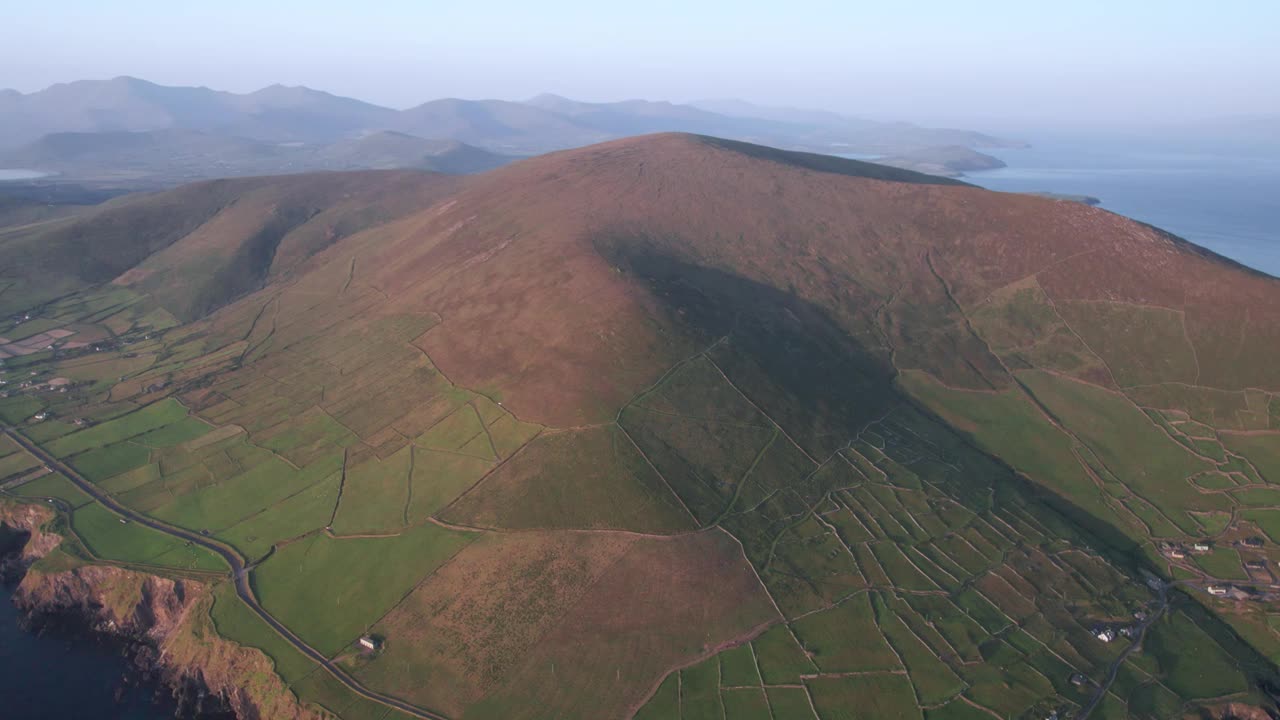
x=1105, y=686
x=238, y=571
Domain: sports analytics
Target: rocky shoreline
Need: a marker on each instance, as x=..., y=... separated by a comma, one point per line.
x=162, y=622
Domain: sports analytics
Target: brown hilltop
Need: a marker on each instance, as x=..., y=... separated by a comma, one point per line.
x=558, y=279
x=638, y=390
x=529, y=266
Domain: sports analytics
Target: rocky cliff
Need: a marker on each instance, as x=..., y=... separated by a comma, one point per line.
x=22, y=538
x=165, y=620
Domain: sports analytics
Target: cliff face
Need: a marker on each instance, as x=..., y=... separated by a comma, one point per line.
x=112, y=599
x=167, y=620
x=1233, y=711
x=22, y=539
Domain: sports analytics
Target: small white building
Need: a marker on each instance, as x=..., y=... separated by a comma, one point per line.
x=1105, y=634
x=1218, y=590
x=368, y=642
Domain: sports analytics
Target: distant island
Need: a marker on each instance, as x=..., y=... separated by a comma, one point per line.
x=1085, y=199
x=947, y=161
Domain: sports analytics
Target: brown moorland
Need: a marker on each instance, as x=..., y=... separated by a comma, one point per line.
x=677, y=334
x=527, y=267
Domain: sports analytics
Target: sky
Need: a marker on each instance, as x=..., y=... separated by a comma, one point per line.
x=996, y=63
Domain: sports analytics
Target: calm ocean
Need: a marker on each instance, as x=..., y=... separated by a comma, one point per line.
x=1224, y=198
x=63, y=674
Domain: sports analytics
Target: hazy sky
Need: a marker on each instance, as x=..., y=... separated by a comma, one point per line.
x=1004, y=61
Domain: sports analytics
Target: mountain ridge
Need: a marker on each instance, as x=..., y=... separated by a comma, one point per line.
x=159, y=158
x=752, y=427
x=280, y=113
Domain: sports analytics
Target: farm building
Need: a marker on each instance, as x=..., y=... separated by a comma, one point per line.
x=370, y=643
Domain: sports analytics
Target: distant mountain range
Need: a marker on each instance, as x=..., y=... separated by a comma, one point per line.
x=129, y=129
x=165, y=157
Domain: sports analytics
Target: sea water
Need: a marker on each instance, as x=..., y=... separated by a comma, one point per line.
x=1223, y=197
x=62, y=673
x=20, y=174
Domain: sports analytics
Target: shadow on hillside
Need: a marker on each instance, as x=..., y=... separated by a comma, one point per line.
x=788, y=355
x=793, y=359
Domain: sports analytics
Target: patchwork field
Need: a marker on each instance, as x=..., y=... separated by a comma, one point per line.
x=590, y=440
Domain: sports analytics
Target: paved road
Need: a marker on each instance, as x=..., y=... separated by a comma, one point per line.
x=1104, y=686
x=238, y=572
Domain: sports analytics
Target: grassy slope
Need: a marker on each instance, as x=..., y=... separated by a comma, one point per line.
x=773, y=312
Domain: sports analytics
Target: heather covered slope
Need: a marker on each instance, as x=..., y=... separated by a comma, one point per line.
x=898, y=266
x=677, y=427
x=211, y=241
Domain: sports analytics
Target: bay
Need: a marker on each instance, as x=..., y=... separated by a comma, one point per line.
x=1221, y=196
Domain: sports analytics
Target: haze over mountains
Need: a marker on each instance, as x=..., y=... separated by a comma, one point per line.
x=130, y=130
x=179, y=155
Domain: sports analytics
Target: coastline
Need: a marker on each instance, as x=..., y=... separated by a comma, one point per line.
x=1223, y=199
x=162, y=623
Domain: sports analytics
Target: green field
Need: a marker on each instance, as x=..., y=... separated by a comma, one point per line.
x=16, y=463
x=934, y=681
x=1222, y=562
x=1262, y=450
x=376, y=495
x=328, y=591
x=738, y=667
x=108, y=461
x=235, y=621
x=1129, y=445
x=306, y=511
x=864, y=697
x=138, y=422
x=846, y=639
x=107, y=538
x=1193, y=665
x=55, y=486
x=1010, y=426
x=781, y=659
x=230, y=501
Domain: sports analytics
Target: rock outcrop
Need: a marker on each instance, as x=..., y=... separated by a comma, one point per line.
x=164, y=620
x=22, y=538
x=1233, y=711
